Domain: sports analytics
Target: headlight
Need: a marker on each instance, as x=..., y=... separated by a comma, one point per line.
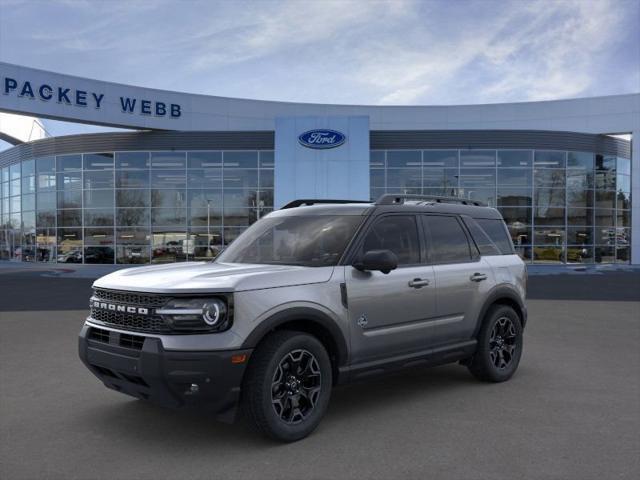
x=191, y=314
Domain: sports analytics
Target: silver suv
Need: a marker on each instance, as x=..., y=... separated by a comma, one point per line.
x=316, y=294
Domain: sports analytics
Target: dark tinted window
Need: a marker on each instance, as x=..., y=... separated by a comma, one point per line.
x=498, y=233
x=481, y=239
x=447, y=241
x=398, y=234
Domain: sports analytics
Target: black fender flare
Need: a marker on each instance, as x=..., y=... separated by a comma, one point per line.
x=306, y=314
x=502, y=292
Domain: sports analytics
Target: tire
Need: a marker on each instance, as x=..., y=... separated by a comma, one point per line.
x=284, y=406
x=500, y=345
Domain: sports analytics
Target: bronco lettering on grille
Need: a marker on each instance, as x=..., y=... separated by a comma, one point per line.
x=120, y=308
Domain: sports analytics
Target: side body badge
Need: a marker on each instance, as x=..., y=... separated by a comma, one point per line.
x=362, y=321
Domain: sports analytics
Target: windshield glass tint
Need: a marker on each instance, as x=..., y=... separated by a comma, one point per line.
x=310, y=241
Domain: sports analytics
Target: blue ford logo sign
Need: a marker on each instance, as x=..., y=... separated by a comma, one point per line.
x=322, y=138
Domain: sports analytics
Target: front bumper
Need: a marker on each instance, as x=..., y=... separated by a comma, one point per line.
x=139, y=366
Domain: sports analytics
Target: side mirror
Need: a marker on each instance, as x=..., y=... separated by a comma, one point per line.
x=382, y=260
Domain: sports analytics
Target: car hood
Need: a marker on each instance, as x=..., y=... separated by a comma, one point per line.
x=194, y=277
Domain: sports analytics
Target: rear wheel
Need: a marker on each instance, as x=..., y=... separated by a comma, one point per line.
x=288, y=385
x=499, y=345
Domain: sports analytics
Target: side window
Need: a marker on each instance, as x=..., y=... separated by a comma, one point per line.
x=397, y=233
x=447, y=241
x=497, y=232
x=484, y=243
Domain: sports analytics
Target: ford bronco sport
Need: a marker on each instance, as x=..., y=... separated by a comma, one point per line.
x=313, y=295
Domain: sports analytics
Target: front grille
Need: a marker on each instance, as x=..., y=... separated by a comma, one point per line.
x=131, y=341
x=99, y=335
x=130, y=321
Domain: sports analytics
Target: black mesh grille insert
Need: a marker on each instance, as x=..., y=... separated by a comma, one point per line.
x=131, y=341
x=131, y=298
x=99, y=335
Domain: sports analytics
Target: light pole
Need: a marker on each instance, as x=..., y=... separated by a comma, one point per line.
x=209, y=227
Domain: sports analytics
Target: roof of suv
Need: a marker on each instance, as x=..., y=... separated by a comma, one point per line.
x=389, y=203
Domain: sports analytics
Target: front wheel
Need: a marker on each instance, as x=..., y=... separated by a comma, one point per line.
x=499, y=345
x=288, y=384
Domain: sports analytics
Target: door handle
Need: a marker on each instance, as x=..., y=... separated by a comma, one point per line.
x=418, y=283
x=478, y=277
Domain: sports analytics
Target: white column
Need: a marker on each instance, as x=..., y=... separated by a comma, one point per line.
x=635, y=198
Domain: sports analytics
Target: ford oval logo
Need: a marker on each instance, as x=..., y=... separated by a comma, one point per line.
x=322, y=138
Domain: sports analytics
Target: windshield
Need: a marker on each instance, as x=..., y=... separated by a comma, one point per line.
x=310, y=241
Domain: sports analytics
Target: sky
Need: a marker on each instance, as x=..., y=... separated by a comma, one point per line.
x=395, y=52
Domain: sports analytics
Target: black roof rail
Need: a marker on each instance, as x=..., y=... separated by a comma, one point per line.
x=400, y=198
x=307, y=202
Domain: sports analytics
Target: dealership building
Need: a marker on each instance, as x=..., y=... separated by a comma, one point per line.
x=195, y=170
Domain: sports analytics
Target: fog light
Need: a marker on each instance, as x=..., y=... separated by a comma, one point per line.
x=193, y=389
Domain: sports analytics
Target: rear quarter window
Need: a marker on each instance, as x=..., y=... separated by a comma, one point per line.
x=497, y=232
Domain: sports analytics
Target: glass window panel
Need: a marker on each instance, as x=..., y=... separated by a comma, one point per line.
x=549, y=236
x=548, y=197
x=605, y=180
x=204, y=159
x=98, y=236
x=133, y=198
x=133, y=217
x=623, y=166
x=98, y=161
x=549, y=178
x=14, y=204
x=548, y=254
x=29, y=201
x=204, y=198
x=69, y=162
x=132, y=178
x=96, y=217
x=45, y=165
x=580, y=198
x=605, y=235
x=623, y=255
x=548, y=216
x=132, y=254
x=623, y=183
x=70, y=199
x=623, y=200
x=515, y=158
x=98, y=199
x=240, y=159
x=135, y=160
x=169, y=217
x=98, y=179
x=46, y=236
x=581, y=254
x=169, y=179
x=46, y=181
x=447, y=241
x=205, y=244
x=46, y=200
x=516, y=197
x=520, y=233
x=133, y=236
x=175, y=160
x=14, y=187
x=231, y=233
x=477, y=158
x=28, y=168
x=376, y=178
x=579, y=178
x=239, y=178
x=605, y=163
x=583, y=160
x=266, y=179
x=605, y=254
x=4, y=174
x=69, y=252
x=376, y=193
x=240, y=217
x=514, y=215
x=29, y=220
x=15, y=220
x=624, y=218
x=98, y=254
x=168, y=198
x=484, y=195
x=207, y=178
x=440, y=159
x=267, y=159
x=70, y=180
x=404, y=177
x=549, y=159
x=239, y=198
x=265, y=200
x=514, y=176
x=605, y=199
x=579, y=216
x=376, y=159
x=446, y=178
x=70, y=218
x=623, y=236
x=400, y=235
x=46, y=218
x=404, y=158
x=201, y=216
x=476, y=177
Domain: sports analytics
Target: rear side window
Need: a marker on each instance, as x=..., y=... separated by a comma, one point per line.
x=497, y=232
x=480, y=237
x=397, y=233
x=446, y=240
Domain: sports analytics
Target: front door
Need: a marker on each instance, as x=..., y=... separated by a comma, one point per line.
x=389, y=314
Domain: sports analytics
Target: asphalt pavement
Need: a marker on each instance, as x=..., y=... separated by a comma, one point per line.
x=571, y=412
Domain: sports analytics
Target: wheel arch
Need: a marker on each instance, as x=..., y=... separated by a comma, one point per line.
x=503, y=295
x=307, y=320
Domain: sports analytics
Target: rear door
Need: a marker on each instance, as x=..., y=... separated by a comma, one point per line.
x=389, y=314
x=462, y=277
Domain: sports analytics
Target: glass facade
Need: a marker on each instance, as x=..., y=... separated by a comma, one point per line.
x=560, y=207
x=167, y=206
x=131, y=207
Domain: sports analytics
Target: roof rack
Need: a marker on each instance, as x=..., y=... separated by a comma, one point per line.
x=399, y=199
x=307, y=202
